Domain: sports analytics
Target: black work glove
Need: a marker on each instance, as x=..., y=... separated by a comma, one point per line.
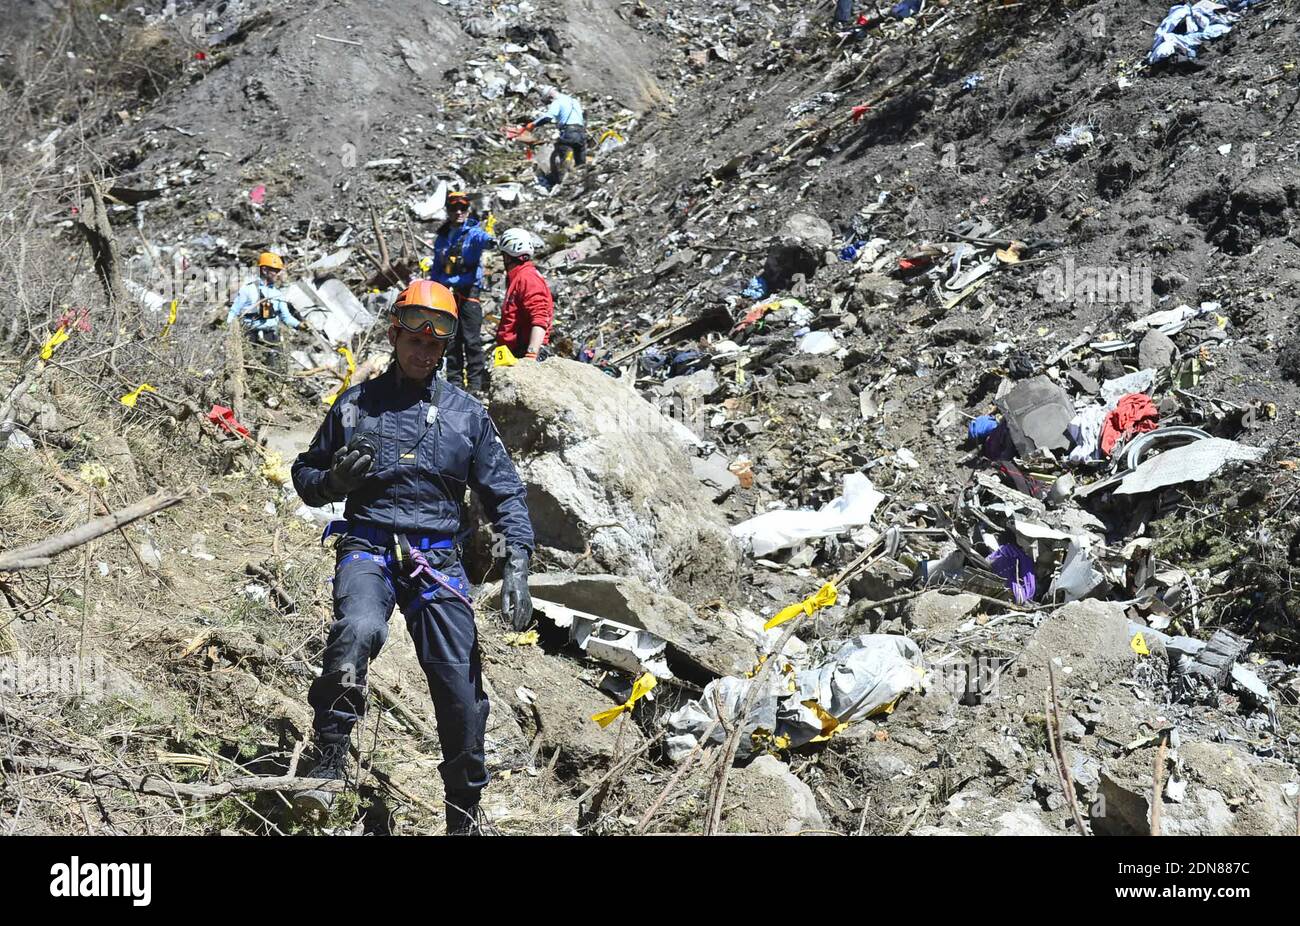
x=516, y=603
x=348, y=470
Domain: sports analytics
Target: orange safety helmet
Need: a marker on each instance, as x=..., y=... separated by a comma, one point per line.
x=428, y=307
x=270, y=259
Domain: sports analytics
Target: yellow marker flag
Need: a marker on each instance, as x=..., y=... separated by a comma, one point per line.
x=824, y=598
x=171, y=320
x=347, y=380
x=47, y=349
x=490, y=226
x=275, y=469
x=501, y=357
x=1139, y=645
x=639, y=690
x=133, y=396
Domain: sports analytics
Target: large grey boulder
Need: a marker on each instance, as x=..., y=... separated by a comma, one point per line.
x=698, y=648
x=767, y=798
x=798, y=248
x=609, y=485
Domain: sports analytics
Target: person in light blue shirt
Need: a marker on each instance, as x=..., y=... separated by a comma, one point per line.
x=566, y=113
x=259, y=305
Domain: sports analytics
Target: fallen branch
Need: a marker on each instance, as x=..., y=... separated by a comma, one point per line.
x=92, y=219
x=732, y=743
x=627, y=760
x=1157, y=787
x=1053, y=712
x=161, y=787
x=672, y=782
x=7, y=423
x=41, y=554
x=284, y=601
x=330, y=38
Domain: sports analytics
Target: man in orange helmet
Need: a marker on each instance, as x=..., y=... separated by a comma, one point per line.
x=259, y=305
x=400, y=450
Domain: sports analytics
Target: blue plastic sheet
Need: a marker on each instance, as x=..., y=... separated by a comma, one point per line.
x=982, y=427
x=905, y=9
x=755, y=289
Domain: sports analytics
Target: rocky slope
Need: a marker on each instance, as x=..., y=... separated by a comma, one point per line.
x=1019, y=194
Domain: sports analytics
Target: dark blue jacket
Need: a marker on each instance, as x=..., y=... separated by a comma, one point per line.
x=468, y=241
x=426, y=460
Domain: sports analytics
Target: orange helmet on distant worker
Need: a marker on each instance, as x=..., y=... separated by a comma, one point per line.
x=428, y=307
x=270, y=259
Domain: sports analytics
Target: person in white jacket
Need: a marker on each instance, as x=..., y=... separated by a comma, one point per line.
x=566, y=113
x=260, y=306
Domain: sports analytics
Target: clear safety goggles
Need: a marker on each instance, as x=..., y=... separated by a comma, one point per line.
x=423, y=320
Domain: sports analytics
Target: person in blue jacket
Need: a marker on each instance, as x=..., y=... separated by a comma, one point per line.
x=401, y=450
x=457, y=253
x=259, y=305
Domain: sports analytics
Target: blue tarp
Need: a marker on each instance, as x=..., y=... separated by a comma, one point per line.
x=982, y=427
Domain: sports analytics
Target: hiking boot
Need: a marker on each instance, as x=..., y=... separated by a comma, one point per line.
x=332, y=764
x=468, y=819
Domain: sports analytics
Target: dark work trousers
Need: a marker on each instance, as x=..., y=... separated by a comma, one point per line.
x=572, y=138
x=446, y=643
x=272, y=346
x=465, y=361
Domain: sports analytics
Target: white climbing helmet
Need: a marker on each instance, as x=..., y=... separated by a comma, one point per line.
x=517, y=242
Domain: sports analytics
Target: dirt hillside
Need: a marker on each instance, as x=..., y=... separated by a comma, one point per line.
x=805, y=255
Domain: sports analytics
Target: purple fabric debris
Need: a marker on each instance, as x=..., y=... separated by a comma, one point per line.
x=1013, y=564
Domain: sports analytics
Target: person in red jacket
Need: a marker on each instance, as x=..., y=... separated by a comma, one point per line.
x=527, y=310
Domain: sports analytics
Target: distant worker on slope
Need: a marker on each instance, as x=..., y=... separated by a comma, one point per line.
x=566, y=113
x=457, y=251
x=528, y=310
x=259, y=304
x=400, y=450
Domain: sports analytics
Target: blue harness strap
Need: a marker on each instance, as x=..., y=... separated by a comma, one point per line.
x=358, y=555
x=454, y=584
x=457, y=585
x=384, y=538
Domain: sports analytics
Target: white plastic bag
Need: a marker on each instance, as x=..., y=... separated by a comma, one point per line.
x=779, y=530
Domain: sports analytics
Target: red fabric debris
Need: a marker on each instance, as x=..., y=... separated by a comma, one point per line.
x=258, y=193
x=859, y=111
x=755, y=314
x=1135, y=414
x=224, y=418
x=79, y=319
